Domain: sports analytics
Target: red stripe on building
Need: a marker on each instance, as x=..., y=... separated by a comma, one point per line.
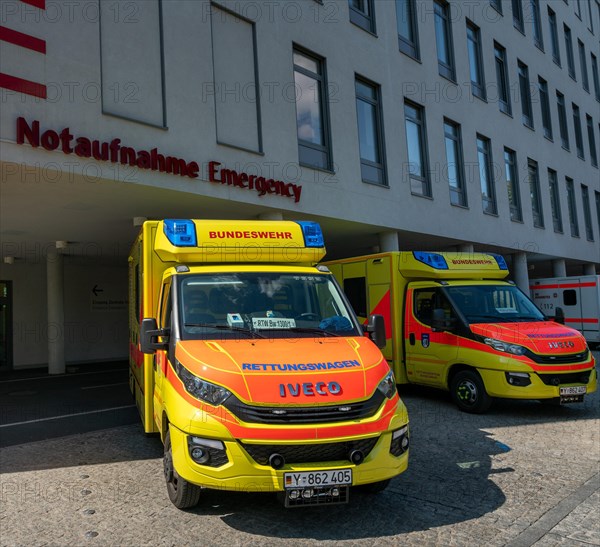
x=22, y=86
x=23, y=40
x=36, y=3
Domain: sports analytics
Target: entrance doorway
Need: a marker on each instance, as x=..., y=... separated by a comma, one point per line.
x=6, y=325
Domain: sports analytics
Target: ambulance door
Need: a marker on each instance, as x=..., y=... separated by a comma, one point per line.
x=428, y=353
x=379, y=272
x=161, y=356
x=571, y=302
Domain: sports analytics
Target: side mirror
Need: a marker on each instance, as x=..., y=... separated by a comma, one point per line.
x=149, y=335
x=376, y=330
x=440, y=322
x=559, y=316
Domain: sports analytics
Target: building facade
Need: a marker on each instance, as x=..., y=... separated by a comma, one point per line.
x=406, y=124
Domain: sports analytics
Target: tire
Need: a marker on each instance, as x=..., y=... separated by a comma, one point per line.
x=183, y=494
x=374, y=487
x=468, y=392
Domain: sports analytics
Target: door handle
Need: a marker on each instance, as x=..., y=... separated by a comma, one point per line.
x=411, y=338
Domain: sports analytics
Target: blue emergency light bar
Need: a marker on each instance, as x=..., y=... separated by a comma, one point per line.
x=500, y=260
x=434, y=260
x=313, y=236
x=180, y=232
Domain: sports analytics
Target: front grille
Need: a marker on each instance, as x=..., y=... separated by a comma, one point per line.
x=287, y=414
x=568, y=378
x=309, y=453
x=559, y=359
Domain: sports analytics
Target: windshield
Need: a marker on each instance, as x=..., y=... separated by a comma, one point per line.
x=262, y=305
x=493, y=304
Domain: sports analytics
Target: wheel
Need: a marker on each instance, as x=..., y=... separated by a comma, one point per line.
x=374, y=487
x=468, y=392
x=183, y=494
x=309, y=316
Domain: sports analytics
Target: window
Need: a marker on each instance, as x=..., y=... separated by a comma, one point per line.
x=555, y=201
x=536, y=23
x=554, y=36
x=591, y=140
x=370, y=133
x=583, y=66
x=502, y=81
x=534, y=191
x=569, y=48
x=517, y=10
x=526, y=111
x=545, y=105
x=418, y=169
x=595, y=76
x=570, y=297
x=590, y=18
x=355, y=289
x=486, y=175
x=455, y=163
x=497, y=5
x=314, y=149
x=562, y=120
x=587, y=214
x=475, y=60
x=578, y=133
x=597, y=194
x=362, y=14
x=572, y=207
x=443, y=38
x=406, y=19
x=512, y=184
x=578, y=8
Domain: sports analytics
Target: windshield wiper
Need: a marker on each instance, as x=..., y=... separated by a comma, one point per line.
x=312, y=330
x=226, y=327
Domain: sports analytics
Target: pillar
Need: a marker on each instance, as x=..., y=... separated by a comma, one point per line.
x=388, y=241
x=589, y=269
x=56, y=313
x=520, y=272
x=559, y=268
x=465, y=248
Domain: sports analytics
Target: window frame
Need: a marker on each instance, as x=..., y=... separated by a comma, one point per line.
x=563, y=125
x=536, y=24
x=321, y=80
x=570, y=52
x=554, y=41
x=587, y=213
x=379, y=136
x=441, y=11
x=425, y=179
x=365, y=21
x=537, y=210
x=545, y=107
x=572, y=207
x=478, y=89
x=585, y=80
x=525, y=93
x=406, y=46
x=595, y=77
x=589, y=121
x=512, y=184
x=517, y=12
x=502, y=76
x=489, y=204
x=555, y=201
x=456, y=138
x=578, y=131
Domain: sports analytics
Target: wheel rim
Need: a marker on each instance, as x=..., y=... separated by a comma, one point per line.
x=466, y=391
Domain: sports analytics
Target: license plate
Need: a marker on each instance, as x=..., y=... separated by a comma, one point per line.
x=576, y=390
x=336, y=477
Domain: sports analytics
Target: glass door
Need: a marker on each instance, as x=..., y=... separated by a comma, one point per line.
x=5, y=325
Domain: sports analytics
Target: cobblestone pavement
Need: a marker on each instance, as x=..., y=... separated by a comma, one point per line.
x=526, y=473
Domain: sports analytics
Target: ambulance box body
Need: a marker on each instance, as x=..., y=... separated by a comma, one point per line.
x=247, y=359
x=577, y=297
x=453, y=322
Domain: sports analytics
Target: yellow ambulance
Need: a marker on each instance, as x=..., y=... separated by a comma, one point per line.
x=453, y=322
x=248, y=360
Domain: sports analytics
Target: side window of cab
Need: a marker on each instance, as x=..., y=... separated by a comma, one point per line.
x=426, y=300
x=165, y=305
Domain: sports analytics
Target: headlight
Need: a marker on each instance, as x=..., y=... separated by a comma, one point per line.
x=201, y=389
x=498, y=345
x=387, y=386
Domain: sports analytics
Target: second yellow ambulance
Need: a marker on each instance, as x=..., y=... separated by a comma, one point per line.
x=454, y=322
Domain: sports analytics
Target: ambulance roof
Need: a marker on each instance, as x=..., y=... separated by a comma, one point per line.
x=239, y=241
x=430, y=265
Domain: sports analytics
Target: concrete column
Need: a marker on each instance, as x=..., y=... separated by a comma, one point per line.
x=465, y=248
x=56, y=313
x=589, y=269
x=271, y=215
x=520, y=272
x=388, y=241
x=559, y=268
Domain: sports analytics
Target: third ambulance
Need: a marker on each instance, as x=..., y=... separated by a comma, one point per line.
x=454, y=322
